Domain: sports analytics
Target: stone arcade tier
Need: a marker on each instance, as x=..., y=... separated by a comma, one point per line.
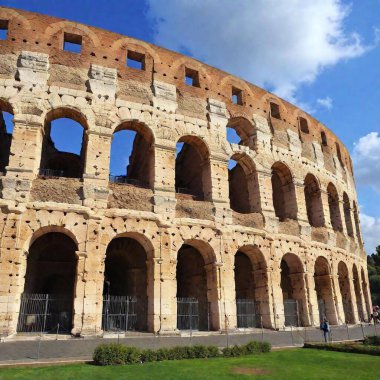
x=181, y=241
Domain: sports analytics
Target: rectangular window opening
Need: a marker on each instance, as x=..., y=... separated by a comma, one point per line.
x=275, y=111
x=303, y=125
x=3, y=29
x=237, y=96
x=72, y=43
x=135, y=60
x=191, y=77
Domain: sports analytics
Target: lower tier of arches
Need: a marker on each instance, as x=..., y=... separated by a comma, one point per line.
x=63, y=272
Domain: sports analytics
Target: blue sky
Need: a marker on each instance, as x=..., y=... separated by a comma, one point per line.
x=322, y=55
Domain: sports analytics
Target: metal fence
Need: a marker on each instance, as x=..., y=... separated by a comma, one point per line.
x=123, y=313
x=247, y=314
x=52, y=173
x=123, y=179
x=44, y=313
x=291, y=311
x=193, y=314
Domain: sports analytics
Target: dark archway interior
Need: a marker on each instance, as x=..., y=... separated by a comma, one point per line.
x=358, y=292
x=313, y=201
x=283, y=193
x=344, y=286
x=244, y=279
x=192, y=169
x=192, y=280
x=347, y=214
x=335, y=218
x=244, y=132
x=239, y=191
x=126, y=275
x=51, y=265
x=135, y=141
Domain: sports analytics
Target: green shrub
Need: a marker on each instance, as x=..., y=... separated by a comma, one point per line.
x=132, y=355
x=109, y=354
x=233, y=351
x=346, y=347
x=213, y=351
x=251, y=347
x=373, y=340
x=149, y=356
x=162, y=354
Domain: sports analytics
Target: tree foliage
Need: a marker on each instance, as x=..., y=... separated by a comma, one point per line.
x=373, y=262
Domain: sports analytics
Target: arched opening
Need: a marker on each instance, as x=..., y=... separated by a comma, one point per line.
x=132, y=155
x=358, y=292
x=293, y=290
x=240, y=131
x=323, y=288
x=347, y=214
x=344, y=286
x=6, y=130
x=192, y=168
x=125, y=286
x=243, y=185
x=323, y=139
x=338, y=153
x=251, y=288
x=195, y=291
x=357, y=223
x=335, y=218
x=313, y=201
x=283, y=192
x=64, y=144
x=47, y=301
x=365, y=293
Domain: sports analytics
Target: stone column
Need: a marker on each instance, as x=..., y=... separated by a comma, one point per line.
x=164, y=181
x=276, y=299
x=228, y=293
x=354, y=305
x=24, y=159
x=263, y=300
x=300, y=282
x=326, y=208
x=301, y=208
x=312, y=299
x=214, y=297
x=96, y=169
x=337, y=294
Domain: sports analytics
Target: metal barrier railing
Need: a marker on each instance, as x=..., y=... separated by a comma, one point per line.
x=123, y=179
x=52, y=173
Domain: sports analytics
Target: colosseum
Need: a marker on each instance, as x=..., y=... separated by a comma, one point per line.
x=198, y=233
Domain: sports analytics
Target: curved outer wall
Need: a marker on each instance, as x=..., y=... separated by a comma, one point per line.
x=39, y=81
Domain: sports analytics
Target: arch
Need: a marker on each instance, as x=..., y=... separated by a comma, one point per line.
x=293, y=290
x=140, y=238
x=344, y=286
x=251, y=287
x=244, y=128
x=137, y=138
x=70, y=26
x=313, y=201
x=283, y=192
x=127, y=285
x=196, y=288
x=50, y=281
x=183, y=61
x=123, y=43
x=55, y=162
x=324, y=290
x=358, y=292
x=15, y=17
x=6, y=130
x=365, y=293
x=244, y=189
x=192, y=168
x=347, y=214
x=334, y=208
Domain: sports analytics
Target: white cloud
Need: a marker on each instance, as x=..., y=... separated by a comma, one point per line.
x=326, y=102
x=366, y=157
x=371, y=232
x=276, y=44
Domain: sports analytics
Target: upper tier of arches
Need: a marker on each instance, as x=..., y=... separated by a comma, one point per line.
x=142, y=62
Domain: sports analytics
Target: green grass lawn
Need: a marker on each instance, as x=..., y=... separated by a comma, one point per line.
x=285, y=364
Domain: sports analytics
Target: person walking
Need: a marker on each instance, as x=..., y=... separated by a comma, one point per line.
x=325, y=327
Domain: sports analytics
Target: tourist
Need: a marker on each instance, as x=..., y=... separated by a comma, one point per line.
x=325, y=327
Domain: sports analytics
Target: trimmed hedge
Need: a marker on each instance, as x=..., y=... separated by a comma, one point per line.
x=373, y=340
x=118, y=354
x=346, y=347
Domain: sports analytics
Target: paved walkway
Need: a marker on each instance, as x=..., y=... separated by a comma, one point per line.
x=14, y=351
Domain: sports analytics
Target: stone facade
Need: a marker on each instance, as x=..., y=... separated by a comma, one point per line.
x=282, y=225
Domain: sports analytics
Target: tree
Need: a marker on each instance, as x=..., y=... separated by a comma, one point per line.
x=373, y=263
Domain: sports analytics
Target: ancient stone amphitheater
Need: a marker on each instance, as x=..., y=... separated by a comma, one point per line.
x=181, y=240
